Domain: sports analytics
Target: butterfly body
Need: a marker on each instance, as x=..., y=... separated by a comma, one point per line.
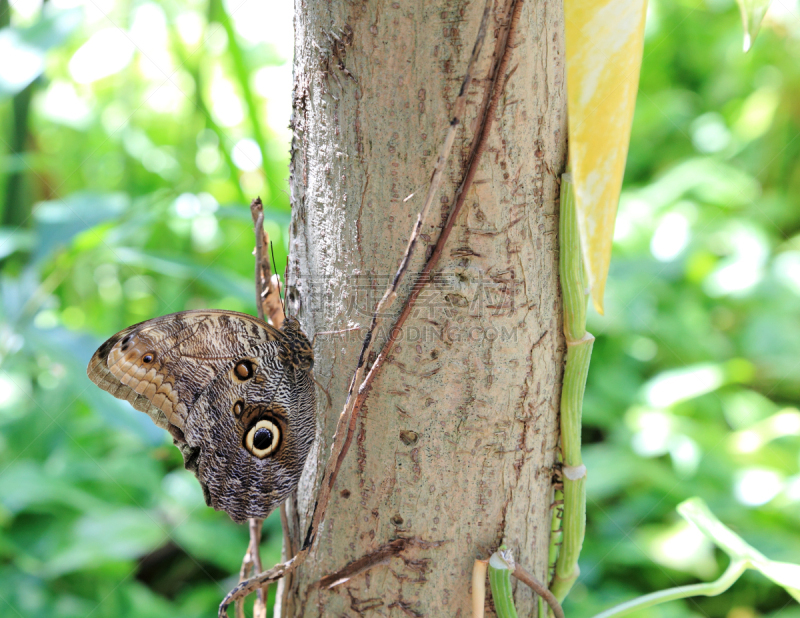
x=235, y=393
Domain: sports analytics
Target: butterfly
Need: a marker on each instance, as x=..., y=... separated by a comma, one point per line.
x=235, y=393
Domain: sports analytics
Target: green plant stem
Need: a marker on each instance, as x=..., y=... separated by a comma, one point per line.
x=5, y=13
x=500, y=583
x=556, y=538
x=574, y=524
x=18, y=200
x=579, y=354
x=556, y=533
x=710, y=589
x=570, y=264
x=17, y=205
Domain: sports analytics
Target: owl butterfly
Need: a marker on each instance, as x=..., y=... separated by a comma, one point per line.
x=235, y=393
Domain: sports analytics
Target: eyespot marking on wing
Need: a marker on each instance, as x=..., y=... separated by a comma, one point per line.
x=263, y=438
x=244, y=369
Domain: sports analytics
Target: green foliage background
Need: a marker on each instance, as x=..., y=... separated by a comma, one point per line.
x=124, y=197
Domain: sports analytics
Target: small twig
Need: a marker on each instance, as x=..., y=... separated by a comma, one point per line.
x=265, y=299
x=540, y=589
x=287, y=538
x=251, y=563
x=501, y=565
x=238, y=610
x=262, y=579
x=255, y=526
x=257, y=212
x=579, y=353
x=268, y=299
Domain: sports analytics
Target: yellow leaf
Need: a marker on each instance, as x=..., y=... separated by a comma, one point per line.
x=604, y=41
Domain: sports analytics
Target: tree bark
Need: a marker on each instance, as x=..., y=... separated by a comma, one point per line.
x=455, y=447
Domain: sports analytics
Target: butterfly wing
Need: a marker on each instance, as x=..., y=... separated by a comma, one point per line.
x=237, y=481
x=208, y=377
x=167, y=362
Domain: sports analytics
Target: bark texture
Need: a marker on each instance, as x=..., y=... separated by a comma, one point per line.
x=455, y=447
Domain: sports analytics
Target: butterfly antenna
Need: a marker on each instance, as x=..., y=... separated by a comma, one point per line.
x=283, y=305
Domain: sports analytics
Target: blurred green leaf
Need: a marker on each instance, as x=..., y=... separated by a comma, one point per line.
x=212, y=541
x=110, y=536
x=24, y=485
x=59, y=221
x=708, y=179
x=181, y=268
x=23, y=49
x=12, y=240
x=22, y=62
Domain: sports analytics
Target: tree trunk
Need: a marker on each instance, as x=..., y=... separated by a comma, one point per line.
x=456, y=444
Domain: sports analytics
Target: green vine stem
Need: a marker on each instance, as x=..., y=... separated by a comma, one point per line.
x=556, y=531
x=556, y=536
x=579, y=353
x=501, y=565
x=742, y=555
x=710, y=589
x=570, y=264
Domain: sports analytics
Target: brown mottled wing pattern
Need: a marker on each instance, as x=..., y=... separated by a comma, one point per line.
x=209, y=377
x=189, y=349
x=238, y=483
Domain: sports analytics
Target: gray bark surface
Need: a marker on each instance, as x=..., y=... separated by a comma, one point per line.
x=455, y=446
